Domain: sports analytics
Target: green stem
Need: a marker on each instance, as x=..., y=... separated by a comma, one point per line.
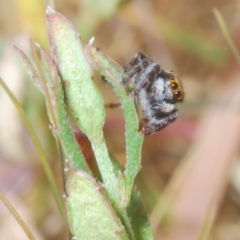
x=110, y=181
x=106, y=168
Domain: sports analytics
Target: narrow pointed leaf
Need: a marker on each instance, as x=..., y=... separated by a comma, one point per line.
x=61, y=127
x=114, y=75
x=29, y=68
x=82, y=96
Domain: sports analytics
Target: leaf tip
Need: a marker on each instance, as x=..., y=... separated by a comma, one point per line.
x=90, y=42
x=17, y=49
x=49, y=10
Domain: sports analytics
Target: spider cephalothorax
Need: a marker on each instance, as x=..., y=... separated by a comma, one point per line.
x=157, y=91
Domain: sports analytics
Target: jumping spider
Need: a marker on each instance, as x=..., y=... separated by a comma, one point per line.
x=156, y=90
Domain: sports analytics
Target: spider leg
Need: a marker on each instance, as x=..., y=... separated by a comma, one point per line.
x=112, y=105
x=153, y=129
x=133, y=71
x=149, y=75
x=143, y=84
x=159, y=124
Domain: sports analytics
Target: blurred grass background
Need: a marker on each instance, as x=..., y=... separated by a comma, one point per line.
x=183, y=36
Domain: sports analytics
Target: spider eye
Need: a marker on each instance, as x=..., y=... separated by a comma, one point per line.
x=174, y=85
x=178, y=95
x=145, y=64
x=172, y=77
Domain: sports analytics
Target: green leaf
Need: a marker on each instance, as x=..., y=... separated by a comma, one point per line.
x=29, y=68
x=82, y=96
x=57, y=113
x=114, y=75
x=140, y=222
x=50, y=84
x=136, y=211
x=90, y=214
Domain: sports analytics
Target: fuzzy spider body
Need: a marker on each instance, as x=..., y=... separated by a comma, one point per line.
x=157, y=91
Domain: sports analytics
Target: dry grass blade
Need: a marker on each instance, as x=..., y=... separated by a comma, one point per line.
x=16, y=216
x=39, y=149
x=227, y=35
